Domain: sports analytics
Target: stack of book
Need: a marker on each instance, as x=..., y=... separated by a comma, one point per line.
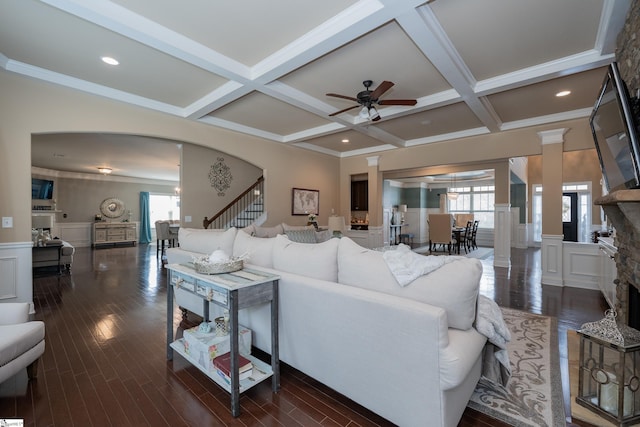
x=222, y=364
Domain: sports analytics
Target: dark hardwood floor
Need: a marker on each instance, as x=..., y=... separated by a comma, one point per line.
x=105, y=362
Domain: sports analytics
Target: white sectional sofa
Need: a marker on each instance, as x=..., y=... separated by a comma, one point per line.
x=21, y=340
x=409, y=354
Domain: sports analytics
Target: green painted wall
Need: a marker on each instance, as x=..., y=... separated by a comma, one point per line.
x=519, y=199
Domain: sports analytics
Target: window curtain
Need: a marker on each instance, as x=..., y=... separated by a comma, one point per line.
x=145, y=218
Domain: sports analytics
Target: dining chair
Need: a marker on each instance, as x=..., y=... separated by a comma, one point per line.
x=472, y=237
x=440, y=231
x=162, y=234
x=174, y=228
x=466, y=236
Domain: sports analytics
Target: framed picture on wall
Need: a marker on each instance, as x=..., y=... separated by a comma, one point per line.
x=305, y=202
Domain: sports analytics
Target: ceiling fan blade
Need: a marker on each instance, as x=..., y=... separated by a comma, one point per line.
x=382, y=88
x=342, y=111
x=397, y=102
x=336, y=95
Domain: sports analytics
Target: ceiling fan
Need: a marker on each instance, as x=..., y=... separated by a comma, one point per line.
x=367, y=98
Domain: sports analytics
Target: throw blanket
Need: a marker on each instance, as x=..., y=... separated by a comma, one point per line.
x=406, y=265
x=491, y=324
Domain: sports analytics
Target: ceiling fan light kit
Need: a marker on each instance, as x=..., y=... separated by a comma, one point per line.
x=367, y=99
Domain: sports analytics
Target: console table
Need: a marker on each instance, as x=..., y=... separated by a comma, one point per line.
x=111, y=233
x=232, y=291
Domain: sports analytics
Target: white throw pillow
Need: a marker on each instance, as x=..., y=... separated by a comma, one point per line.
x=453, y=287
x=250, y=229
x=206, y=241
x=258, y=249
x=316, y=260
x=268, y=231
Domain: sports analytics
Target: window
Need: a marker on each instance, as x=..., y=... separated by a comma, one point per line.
x=163, y=207
x=478, y=200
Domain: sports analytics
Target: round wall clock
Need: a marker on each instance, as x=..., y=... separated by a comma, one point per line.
x=112, y=208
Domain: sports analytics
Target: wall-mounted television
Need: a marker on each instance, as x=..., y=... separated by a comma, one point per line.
x=614, y=126
x=41, y=189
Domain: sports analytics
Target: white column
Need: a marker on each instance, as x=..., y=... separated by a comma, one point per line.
x=552, y=247
x=502, y=235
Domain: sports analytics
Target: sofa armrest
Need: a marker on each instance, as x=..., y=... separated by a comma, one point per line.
x=14, y=312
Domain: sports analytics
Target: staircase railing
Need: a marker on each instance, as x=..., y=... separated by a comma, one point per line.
x=241, y=211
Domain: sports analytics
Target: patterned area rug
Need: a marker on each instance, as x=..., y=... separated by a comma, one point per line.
x=533, y=396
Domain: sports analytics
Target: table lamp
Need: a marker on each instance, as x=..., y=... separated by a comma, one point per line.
x=403, y=209
x=336, y=225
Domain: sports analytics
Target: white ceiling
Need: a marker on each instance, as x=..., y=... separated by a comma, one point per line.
x=264, y=67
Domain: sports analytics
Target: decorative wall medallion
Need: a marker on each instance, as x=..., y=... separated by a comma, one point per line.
x=112, y=208
x=220, y=176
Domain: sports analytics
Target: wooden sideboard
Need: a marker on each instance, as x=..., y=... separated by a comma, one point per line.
x=112, y=233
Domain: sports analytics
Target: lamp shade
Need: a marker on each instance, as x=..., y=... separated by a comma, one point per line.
x=336, y=223
x=403, y=208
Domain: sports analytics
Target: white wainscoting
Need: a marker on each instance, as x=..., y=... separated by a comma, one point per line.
x=551, y=259
x=15, y=270
x=502, y=236
x=376, y=237
x=581, y=265
x=77, y=234
x=361, y=237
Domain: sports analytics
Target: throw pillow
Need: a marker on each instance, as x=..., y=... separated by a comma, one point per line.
x=315, y=260
x=268, y=231
x=301, y=236
x=206, y=241
x=250, y=230
x=259, y=251
x=453, y=287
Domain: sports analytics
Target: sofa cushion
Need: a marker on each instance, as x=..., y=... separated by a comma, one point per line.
x=323, y=236
x=19, y=338
x=316, y=260
x=302, y=236
x=459, y=356
x=268, y=231
x=454, y=286
x=206, y=241
x=259, y=251
x=286, y=227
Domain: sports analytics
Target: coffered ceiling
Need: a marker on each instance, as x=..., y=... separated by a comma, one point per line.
x=264, y=67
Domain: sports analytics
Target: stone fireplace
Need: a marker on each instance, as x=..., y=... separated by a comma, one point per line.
x=623, y=210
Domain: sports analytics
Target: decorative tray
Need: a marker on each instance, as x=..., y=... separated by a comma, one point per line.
x=206, y=267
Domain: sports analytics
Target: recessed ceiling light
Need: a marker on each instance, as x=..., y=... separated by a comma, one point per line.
x=345, y=141
x=105, y=170
x=109, y=60
x=563, y=93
